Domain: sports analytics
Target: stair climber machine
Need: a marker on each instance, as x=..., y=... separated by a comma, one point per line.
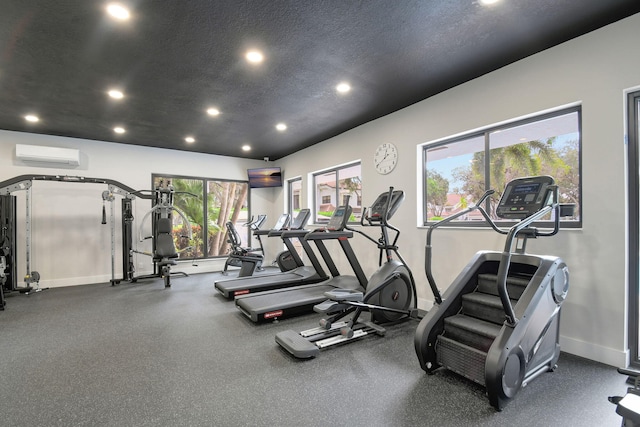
x=389, y=296
x=280, y=303
x=498, y=322
x=303, y=274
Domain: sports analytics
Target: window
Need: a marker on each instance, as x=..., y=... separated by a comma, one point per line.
x=225, y=201
x=295, y=193
x=332, y=186
x=458, y=171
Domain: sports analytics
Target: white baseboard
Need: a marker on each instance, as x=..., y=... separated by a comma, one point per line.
x=189, y=267
x=606, y=355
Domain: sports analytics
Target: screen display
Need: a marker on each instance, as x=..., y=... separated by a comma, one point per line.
x=526, y=188
x=523, y=197
x=265, y=177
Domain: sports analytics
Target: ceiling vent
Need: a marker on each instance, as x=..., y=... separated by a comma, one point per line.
x=48, y=155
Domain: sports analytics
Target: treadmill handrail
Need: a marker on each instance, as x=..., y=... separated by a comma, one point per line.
x=328, y=235
x=292, y=233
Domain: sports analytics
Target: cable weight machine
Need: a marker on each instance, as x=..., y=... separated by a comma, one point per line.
x=163, y=250
x=8, y=221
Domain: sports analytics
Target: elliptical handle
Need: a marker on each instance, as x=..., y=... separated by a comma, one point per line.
x=387, y=206
x=486, y=194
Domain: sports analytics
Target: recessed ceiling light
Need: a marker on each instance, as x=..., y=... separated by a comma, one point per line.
x=254, y=56
x=118, y=11
x=281, y=127
x=119, y=129
x=116, y=94
x=190, y=139
x=488, y=2
x=32, y=118
x=343, y=87
x=246, y=148
x=213, y=111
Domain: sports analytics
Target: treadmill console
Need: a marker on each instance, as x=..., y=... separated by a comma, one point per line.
x=300, y=220
x=376, y=213
x=283, y=221
x=339, y=219
x=524, y=196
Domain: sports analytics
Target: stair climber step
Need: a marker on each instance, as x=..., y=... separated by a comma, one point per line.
x=484, y=306
x=470, y=331
x=488, y=284
x=462, y=359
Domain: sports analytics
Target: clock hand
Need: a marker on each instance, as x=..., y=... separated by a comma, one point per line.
x=386, y=154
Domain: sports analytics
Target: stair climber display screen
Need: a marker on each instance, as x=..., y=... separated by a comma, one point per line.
x=524, y=197
x=498, y=322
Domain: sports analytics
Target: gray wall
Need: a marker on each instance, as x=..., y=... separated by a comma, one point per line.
x=595, y=71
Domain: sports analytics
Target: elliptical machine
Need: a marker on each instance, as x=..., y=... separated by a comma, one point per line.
x=389, y=297
x=498, y=322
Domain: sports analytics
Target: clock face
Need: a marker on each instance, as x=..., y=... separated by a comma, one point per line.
x=385, y=158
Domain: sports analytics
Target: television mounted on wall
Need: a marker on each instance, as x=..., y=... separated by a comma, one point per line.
x=265, y=177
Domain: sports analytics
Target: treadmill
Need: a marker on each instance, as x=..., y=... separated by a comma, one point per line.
x=286, y=302
x=301, y=275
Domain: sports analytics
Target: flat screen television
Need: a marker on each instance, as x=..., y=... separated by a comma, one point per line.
x=265, y=177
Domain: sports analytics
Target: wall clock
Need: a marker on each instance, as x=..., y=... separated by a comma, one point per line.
x=385, y=158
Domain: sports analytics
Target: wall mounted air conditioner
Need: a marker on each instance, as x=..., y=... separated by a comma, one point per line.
x=50, y=155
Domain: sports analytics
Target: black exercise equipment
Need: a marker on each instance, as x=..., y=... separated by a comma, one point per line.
x=628, y=406
x=8, y=221
x=302, y=274
x=498, y=322
x=290, y=301
x=389, y=295
x=8, y=276
x=248, y=259
x=163, y=253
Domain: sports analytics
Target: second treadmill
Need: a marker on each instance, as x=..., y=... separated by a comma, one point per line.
x=298, y=276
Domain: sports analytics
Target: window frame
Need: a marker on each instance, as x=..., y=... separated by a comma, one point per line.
x=205, y=193
x=485, y=134
x=290, y=205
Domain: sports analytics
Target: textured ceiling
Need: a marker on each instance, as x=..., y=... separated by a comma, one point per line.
x=175, y=58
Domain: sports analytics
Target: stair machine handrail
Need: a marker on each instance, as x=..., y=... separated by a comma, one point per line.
x=383, y=241
x=512, y=233
x=505, y=259
x=427, y=252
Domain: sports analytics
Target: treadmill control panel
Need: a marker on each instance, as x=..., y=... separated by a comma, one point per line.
x=339, y=219
x=524, y=196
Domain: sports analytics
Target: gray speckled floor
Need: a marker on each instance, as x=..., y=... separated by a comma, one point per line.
x=141, y=355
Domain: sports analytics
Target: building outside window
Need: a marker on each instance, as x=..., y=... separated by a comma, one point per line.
x=332, y=186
